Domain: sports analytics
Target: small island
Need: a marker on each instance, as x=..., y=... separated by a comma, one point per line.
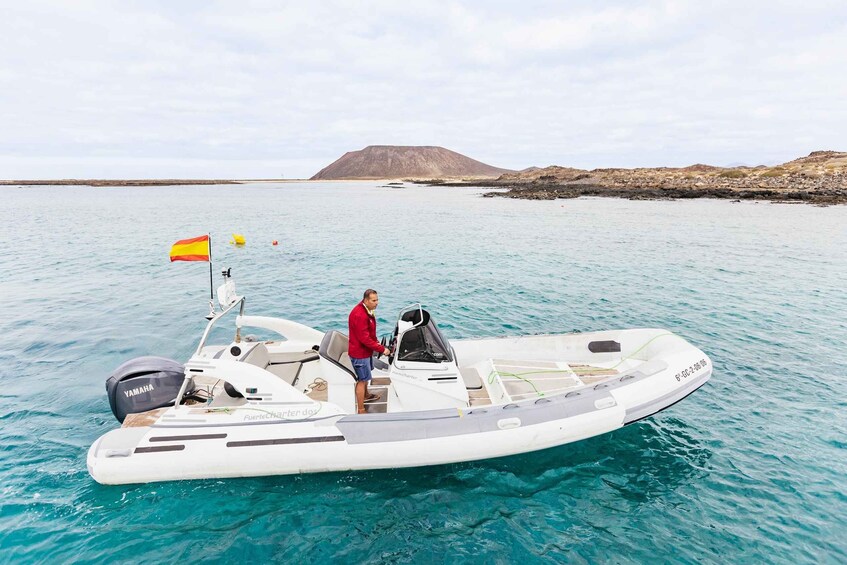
x=819, y=178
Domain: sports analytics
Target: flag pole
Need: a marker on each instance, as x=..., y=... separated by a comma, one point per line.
x=211, y=314
x=211, y=283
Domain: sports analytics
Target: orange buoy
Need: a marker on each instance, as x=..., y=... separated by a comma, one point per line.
x=275, y=242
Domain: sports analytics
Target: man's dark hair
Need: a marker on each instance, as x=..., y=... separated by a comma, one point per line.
x=368, y=293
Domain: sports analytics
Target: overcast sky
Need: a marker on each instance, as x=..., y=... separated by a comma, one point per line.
x=260, y=89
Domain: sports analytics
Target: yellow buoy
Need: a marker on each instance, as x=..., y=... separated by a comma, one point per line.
x=238, y=239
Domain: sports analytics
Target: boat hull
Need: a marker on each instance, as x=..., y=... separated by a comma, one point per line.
x=174, y=451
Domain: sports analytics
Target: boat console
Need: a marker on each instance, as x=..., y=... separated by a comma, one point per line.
x=423, y=368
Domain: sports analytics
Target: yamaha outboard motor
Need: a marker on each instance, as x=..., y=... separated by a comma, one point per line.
x=144, y=383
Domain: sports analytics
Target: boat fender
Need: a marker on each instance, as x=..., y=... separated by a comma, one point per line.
x=509, y=423
x=603, y=403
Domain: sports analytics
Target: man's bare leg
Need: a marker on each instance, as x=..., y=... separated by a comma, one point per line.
x=361, y=391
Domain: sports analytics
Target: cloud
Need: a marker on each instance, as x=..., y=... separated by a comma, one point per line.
x=266, y=84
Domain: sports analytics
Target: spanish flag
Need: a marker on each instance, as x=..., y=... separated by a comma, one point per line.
x=194, y=249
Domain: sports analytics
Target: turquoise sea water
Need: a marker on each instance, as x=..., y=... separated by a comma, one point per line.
x=752, y=468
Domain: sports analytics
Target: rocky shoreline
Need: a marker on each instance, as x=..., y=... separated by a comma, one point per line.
x=820, y=178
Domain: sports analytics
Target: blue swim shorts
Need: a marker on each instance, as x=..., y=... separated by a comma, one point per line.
x=362, y=368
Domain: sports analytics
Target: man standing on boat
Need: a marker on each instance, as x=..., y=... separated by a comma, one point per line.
x=363, y=344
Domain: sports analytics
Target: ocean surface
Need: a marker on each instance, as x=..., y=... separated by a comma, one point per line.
x=750, y=469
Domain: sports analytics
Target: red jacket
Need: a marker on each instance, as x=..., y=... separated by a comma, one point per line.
x=362, y=328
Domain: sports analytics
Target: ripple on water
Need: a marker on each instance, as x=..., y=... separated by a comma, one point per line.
x=751, y=468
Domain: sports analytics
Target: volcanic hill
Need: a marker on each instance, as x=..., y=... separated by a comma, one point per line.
x=406, y=161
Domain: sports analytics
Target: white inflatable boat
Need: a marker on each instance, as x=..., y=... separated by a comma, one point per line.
x=287, y=405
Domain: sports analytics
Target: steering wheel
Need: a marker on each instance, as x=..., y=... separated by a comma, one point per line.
x=391, y=345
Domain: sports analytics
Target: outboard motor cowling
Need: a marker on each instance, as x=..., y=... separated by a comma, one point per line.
x=144, y=383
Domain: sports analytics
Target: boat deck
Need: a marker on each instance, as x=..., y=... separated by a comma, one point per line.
x=143, y=419
x=521, y=379
x=529, y=379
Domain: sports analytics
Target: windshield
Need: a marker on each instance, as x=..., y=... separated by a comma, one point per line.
x=425, y=344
